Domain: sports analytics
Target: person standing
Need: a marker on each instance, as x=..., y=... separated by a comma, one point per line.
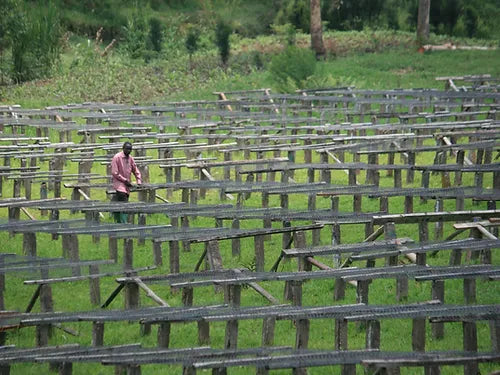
x=122, y=167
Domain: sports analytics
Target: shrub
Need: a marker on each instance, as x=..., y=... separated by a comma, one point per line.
x=155, y=34
x=135, y=35
x=291, y=68
x=36, y=42
x=287, y=34
x=471, y=21
x=295, y=12
x=192, y=41
x=222, y=33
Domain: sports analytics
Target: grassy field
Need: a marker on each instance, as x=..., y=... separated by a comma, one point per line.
x=366, y=59
x=93, y=78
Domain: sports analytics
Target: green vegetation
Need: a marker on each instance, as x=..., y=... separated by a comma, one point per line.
x=87, y=74
x=222, y=34
x=290, y=69
x=35, y=37
x=167, y=51
x=30, y=31
x=97, y=78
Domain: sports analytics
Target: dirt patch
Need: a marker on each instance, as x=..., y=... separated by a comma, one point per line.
x=402, y=72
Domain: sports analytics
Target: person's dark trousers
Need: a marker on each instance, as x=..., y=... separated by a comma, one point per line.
x=120, y=217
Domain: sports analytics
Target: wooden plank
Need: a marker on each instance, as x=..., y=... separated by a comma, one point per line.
x=210, y=178
x=150, y=293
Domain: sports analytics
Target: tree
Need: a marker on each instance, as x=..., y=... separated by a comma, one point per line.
x=192, y=42
x=155, y=34
x=316, y=30
x=222, y=33
x=424, y=7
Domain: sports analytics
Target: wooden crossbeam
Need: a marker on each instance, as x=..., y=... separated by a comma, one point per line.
x=150, y=293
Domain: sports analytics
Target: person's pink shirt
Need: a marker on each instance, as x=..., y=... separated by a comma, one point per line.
x=121, y=171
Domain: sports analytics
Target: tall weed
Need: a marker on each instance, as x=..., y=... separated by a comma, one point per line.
x=135, y=35
x=36, y=42
x=222, y=33
x=155, y=34
x=290, y=69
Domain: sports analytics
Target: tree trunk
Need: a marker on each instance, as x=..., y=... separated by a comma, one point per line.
x=316, y=30
x=423, y=21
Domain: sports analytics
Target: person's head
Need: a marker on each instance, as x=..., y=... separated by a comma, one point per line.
x=127, y=148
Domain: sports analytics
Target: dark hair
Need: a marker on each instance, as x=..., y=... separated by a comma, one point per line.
x=127, y=143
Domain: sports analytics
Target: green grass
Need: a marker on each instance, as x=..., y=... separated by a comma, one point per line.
x=86, y=77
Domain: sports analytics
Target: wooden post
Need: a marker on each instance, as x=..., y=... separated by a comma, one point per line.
x=390, y=160
x=370, y=173
x=92, y=218
x=157, y=253
x=16, y=185
x=471, y=255
x=470, y=291
x=495, y=335
x=299, y=241
x=302, y=325
x=341, y=334
x=335, y=226
x=384, y=204
x=203, y=332
x=97, y=333
x=326, y=175
x=29, y=244
x=425, y=184
x=113, y=248
x=128, y=253
x=235, y=242
x=408, y=204
x=94, y=285
x=423, y=231
x=357, y=198
x=163, y=335
x=43, y=331
x=268, y=325
x=259, y=253
x=267, y=223
x=401, y=281
x=410, y=173
x=438, y=226
x=339, y=289
x=186, y=245
x=174, y=248
x=3, y=335
x=372, y=334
x=141, y=218
x=131, y=296
x=362, y=288
x=286, y=236
x=418, y=335
x=437, y=294
x=397, y=179
x=470, y=345
x=73, y=252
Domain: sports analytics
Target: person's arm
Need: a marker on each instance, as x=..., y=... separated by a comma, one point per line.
x=115, y=171
x=136, y=172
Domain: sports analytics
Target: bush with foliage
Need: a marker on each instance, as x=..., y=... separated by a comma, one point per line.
x=291, y=68
x=295, y=12
x=35, y=41
x=135, y=35
x=287, y=34
x=222, y=34
x=155, y=35
x=192, y=40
